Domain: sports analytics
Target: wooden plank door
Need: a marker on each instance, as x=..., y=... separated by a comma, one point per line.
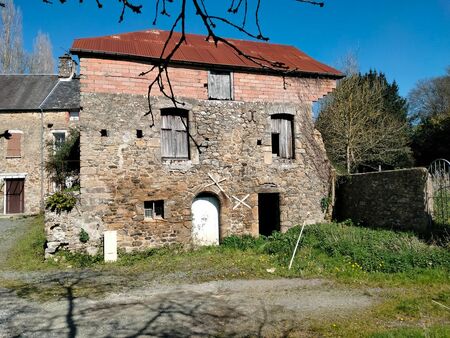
x=15, y=196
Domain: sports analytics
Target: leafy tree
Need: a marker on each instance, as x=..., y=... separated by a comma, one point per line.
x=363, y=124
x=429, y=104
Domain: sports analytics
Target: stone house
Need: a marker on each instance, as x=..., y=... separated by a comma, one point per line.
x=34, y=110
x=239, y=155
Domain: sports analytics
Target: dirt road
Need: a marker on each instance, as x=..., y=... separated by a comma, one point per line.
x=51, y=304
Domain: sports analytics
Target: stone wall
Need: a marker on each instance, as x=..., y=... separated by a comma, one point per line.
x=389, y=199
x=63, y=229
x=29, y=162
x=230, y=140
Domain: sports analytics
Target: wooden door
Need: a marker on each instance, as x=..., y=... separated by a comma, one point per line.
x=15, y=196
x=205, y=220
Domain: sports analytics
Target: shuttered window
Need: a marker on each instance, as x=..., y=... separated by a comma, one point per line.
x=174, y=134
x=14, y=145
x=220, y=85
x=282, y=135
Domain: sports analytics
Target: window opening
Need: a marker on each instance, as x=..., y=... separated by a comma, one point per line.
x=282, y=135
x=154, y=209
x=74, y=115
x=174, y=134
x=59, y=137
x=220, y=85
x=14, y=144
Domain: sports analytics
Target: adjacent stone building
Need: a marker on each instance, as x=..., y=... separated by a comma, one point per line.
x=238, y=155
x=35, y=110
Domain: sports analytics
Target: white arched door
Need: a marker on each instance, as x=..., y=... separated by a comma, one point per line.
x=205, y=220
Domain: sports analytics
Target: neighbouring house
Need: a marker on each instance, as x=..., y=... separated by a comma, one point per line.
x=34, y=110
x=240, y=155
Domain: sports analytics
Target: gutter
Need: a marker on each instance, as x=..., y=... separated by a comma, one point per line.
x=42, y=144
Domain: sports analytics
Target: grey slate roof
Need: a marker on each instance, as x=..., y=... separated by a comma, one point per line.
x=66, y=95
x=27, y=92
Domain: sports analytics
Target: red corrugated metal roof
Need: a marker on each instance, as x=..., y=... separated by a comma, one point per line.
x=149, y=44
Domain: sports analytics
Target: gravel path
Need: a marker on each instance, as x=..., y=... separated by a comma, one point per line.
x=10, y=230
x=50, y=304
x=225, y=308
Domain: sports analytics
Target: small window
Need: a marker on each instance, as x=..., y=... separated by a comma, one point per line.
x=174, y=134
x=220, y=85
x=282, y=135
x=14, y=144
x=154, y=209
x=103, y=133
x=139, y=133
x=74, y=115
x=59, y=137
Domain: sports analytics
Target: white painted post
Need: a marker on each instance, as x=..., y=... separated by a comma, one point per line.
x=110, y=246
x=296, y=245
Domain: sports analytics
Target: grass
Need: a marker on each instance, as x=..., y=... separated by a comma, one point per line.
x=413, y=276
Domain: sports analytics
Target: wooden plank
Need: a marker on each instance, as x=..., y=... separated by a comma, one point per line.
x=219, y=85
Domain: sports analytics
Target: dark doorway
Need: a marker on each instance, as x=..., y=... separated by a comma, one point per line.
x=269, y=213
x=15, y=196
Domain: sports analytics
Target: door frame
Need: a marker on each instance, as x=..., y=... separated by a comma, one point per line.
x=219, y=211
x=12, y=176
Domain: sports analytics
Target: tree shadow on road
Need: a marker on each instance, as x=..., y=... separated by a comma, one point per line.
x=171, y=313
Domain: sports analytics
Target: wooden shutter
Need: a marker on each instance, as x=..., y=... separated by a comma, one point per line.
x=286, y=138
x=281, y=125
x=174, y=136
x=13, y=148
x=181, y=137
x=167, y=141
x=219, y=85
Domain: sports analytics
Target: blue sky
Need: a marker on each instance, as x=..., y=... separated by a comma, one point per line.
x=408, y=40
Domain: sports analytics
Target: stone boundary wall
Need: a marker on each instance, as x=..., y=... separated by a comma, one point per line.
x=62, y=231
x=115, y=76
x=394, y=199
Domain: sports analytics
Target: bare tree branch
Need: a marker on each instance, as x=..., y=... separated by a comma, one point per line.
x=162, y=78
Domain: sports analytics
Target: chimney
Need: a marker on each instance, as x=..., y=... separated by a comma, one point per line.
x=66, y=66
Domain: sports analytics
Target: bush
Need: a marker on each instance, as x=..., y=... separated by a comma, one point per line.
x=80, y=260
x=84, y=236
x=362, y=248
x=61, y=201
x=245, y=242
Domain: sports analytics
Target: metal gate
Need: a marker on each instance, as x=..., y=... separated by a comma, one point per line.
x=439, y=202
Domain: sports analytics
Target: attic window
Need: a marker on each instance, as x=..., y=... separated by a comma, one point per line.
x=154, y=209
x=220, y=85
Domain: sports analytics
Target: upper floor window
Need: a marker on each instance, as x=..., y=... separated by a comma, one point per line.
x=282, y=135
x=174, y=134
x=220, y=85
x=14, y=144
x=59, y=137
x=74, y=115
